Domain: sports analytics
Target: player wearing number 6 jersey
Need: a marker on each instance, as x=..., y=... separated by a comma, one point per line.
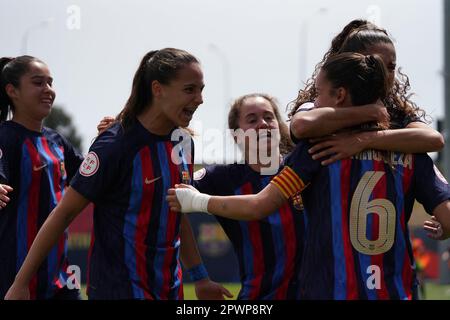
x=358, y=210
x=357, y=239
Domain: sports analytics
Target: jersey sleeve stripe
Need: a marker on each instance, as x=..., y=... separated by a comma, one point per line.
x=288, y=182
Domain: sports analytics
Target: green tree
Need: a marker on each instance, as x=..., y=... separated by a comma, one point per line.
x=60, y=121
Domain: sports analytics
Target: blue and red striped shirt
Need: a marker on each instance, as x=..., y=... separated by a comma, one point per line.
x=37, y=165
x=136, y=241
x=358, y=243
x=268, y=250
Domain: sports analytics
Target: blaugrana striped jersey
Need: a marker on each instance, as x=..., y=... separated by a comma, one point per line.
x=357, y=244
x=37, y=165
x=269, y=250
x=135, y=245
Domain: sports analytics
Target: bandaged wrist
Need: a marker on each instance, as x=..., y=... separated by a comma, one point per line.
x=192, y=201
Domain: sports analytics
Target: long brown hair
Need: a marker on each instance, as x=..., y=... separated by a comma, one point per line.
x=161, y=65
x=286, y=144
x=11, y=70
x=359, y=36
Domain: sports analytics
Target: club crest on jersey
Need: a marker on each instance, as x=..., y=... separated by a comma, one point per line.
x=185, y=177
x=199, y=174
x=90, y=165
x=297, y=201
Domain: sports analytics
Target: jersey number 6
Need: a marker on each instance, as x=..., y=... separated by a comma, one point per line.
x=361, y=207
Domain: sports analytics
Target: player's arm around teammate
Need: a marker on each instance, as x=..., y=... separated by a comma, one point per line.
x=363, y=37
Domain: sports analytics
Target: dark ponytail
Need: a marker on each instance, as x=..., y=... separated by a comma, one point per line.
x=364, y=77
x=162, y=66
x=362, y=39
x=5, y=101
x=11, y=70
x=140, y=94
x=351, y=27
x=309, y=94
x=366, y=80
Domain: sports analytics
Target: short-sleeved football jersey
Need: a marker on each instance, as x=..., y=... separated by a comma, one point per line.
x=135, y=246
x=357, y=244
x=269, y=250
x=38, y=166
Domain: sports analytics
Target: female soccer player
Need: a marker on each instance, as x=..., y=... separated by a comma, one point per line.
x=36, y=164
x=357, y=242
x=126, y=174
x=268, y=250
x=363, y=37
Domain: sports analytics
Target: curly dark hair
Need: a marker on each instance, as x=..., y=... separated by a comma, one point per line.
x=359, y=36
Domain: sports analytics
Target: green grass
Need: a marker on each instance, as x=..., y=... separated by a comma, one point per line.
x=83, y=292
x=189, y=290
x=433, y=291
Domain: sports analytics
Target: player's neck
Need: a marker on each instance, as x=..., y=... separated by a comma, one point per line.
x=154, y=121
x=28, y=122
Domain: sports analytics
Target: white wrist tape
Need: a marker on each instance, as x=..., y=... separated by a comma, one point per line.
x=192, y=201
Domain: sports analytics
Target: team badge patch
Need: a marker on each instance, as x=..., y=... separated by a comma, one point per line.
x=297, y=201
x=439, y=175
x=199, y=174
x=185, y=177
x=90, y=165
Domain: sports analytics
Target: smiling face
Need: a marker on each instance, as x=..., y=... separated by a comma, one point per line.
x=257, y=114
x=180, y=98
x=35, y=95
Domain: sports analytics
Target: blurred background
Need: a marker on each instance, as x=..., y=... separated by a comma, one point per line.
x=94, y=47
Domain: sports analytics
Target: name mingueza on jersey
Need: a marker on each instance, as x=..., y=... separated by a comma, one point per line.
x=391, y=158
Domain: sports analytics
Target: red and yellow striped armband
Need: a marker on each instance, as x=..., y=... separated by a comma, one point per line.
x=288, y=182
